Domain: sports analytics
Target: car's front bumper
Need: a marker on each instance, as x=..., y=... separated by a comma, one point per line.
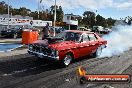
x=41, y=55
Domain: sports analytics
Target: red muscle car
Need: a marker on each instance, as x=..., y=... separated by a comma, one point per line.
x=67, y=46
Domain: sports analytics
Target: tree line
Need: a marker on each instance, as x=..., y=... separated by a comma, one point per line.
x=44, y=14
x=89, y=18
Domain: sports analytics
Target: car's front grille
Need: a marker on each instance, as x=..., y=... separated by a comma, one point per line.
x=36, y=48
x=41, y=49
x=46, y=50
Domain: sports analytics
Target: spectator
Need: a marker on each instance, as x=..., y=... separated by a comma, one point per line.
x=52, y=31
x=45, y=31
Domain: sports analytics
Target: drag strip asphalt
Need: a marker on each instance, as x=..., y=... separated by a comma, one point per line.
x=29, y=73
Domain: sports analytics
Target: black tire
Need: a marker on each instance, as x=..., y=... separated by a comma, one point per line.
x=98, y=52
x=67, y=60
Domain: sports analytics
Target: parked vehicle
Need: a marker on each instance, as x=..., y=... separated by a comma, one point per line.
x=98, y=29
x=84, y=29
x=67, y=46
x=101, y=30
x=107, y=30
x=15, y=31
x=12, y=32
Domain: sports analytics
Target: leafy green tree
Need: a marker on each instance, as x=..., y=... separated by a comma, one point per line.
x=88, y=18
x=79, y=18
x=59, y=13
x=110, y=22
x=101, y=21
x=15, y=11
x=34, y=15
x=24, y=11
x=3, y=7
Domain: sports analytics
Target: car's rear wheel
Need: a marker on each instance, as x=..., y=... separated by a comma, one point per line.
x=98, y=52
x=67, y=60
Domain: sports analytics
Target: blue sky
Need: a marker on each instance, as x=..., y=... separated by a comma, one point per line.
x=107, y=8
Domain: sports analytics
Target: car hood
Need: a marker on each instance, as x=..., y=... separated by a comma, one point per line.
x=59, y=45
x=63, y=45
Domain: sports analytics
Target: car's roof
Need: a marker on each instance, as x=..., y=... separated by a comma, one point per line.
x=78, y=31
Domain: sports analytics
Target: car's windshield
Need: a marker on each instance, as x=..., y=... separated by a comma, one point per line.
x=69, y=36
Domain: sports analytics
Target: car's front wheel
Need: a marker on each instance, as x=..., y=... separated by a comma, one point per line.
x=67, y=60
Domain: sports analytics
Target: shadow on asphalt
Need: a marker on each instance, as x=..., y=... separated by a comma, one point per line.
x=26, y=66
x=32, y=66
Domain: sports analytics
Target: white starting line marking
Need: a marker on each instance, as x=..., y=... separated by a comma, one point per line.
x=20, y=71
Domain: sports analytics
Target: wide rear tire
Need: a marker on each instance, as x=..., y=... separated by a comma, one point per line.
x=98, y=52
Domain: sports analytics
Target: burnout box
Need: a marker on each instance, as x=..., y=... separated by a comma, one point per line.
x=29, y=36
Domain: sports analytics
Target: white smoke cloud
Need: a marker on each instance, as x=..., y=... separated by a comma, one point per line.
x=119, y=40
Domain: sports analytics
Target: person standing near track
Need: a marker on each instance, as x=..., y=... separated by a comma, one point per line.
x=45, y=31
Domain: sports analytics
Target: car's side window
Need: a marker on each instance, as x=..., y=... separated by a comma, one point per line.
x=72, y=34
x=77, y=37
x=85, y=37
x=92, y=37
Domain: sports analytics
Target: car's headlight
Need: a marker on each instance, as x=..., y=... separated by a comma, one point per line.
x=54, y=52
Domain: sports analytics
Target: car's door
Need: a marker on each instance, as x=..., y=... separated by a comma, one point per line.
x=84, y=45
x=93, y=42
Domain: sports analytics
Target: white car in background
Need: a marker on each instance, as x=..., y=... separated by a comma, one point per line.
x=107, y=30
x=98, y=29
x=84, y=29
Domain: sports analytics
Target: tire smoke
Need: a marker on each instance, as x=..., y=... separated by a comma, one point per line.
x=118, y=41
